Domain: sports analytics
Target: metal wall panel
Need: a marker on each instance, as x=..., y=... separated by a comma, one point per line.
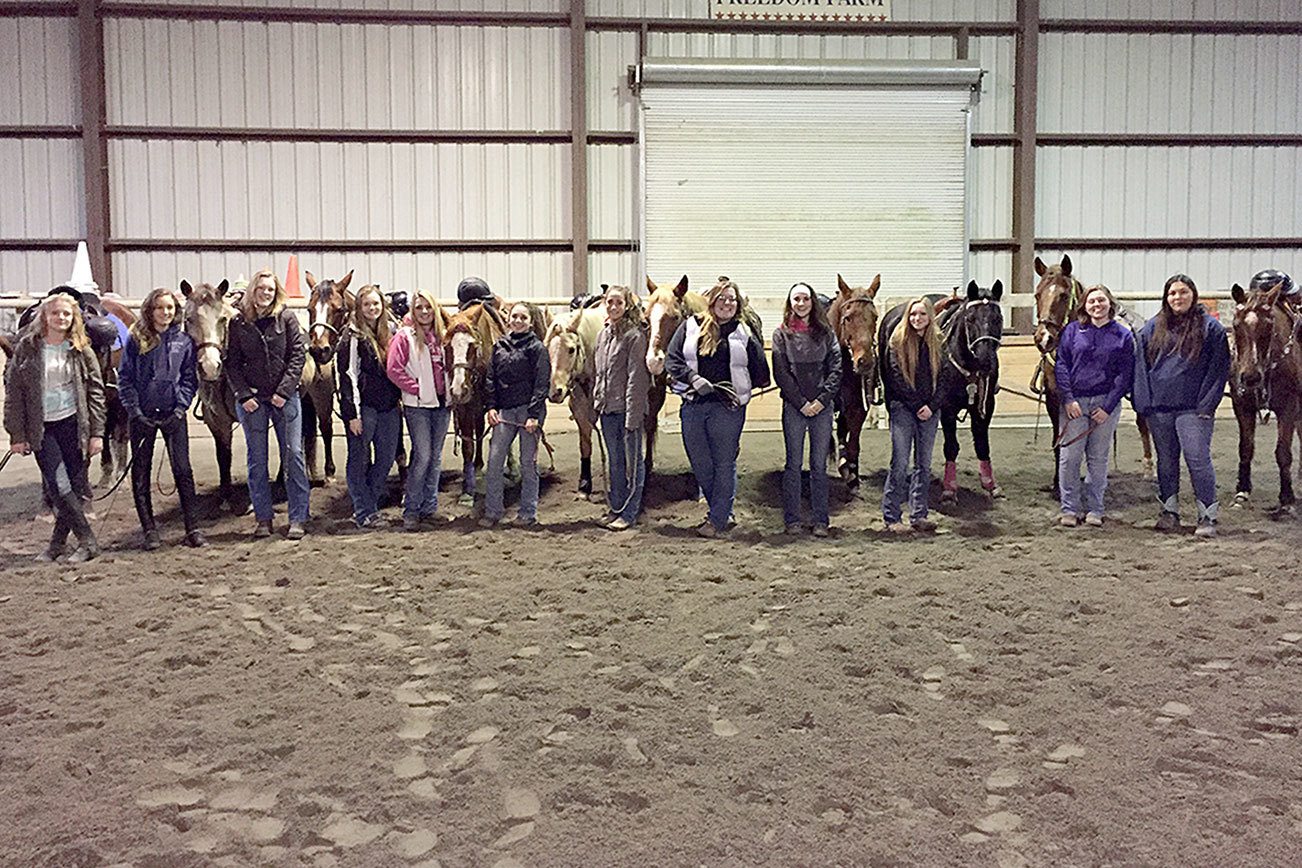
x=313, y=76
x=220, y=190
x=40, y=71
x=806, y=46
x=997, y=56
x=41, y=180
x=23, y=272
x=989, y=201
x=513, y=275
x=612, y=196
x=611, y=105
x=1169, y=192
x=1145, y=271
x=1169, y=83
x=1198, y=10
x=420, y=5
x=616, y=269
x=901, y=10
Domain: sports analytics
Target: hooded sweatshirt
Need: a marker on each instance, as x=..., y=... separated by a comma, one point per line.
x=1175, y=384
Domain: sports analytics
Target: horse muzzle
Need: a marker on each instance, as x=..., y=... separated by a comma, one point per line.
x=655, y=365
x=322, y=355
x=558, y=395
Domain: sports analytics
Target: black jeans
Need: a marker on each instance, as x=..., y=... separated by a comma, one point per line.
x=177, y=439
x=61, y=448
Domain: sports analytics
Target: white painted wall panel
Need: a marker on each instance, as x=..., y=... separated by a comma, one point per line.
x=252, y=74
x=1169, y=83
x=765, y=45
x=41, y=180
x=987, y=266
x=901, y=10
x=23, y=272
x=1169, y=192
x=1199, y=10
x=612, y=173
x=997, y=56
x=513, y=275
x=231, y=190
x=40, y=71
x=611, y=105
x=990, y=209
x=439, y=5
x=616, y=269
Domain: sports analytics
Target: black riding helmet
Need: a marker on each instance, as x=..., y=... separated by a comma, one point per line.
x=473, y=290
x=1268, y=278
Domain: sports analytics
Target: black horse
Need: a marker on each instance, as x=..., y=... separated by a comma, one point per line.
x=972, y=332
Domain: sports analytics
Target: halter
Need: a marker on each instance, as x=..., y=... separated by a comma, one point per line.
x=1055, y=327
x=1268, y=363
x=978, y=382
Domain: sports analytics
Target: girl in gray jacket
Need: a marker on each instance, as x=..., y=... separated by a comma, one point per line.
x=620, y=396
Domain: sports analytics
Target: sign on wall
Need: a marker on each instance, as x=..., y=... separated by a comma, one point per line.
x=848, y=11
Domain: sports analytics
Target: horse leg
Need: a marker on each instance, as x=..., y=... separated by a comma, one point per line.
x=326, y=418
x=652, y=424
x=1246, y=416
x=308, y=408
x=981, y=443
x=1284, y=459
x=1053, y=407
x=949, y=482
x=1146, y=438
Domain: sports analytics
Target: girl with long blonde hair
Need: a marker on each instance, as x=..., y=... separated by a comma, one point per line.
x=368, y=404
x=911, y=369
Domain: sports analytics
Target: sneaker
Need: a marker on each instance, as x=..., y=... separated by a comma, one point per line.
x=263, y=530
x=1067, y=520
x=820, y=530
x=606, y=519
x=898, y=527
x=83, y=553
x=1206, y=529
x=1167, y=522
x=793, y=530
x=296, y=531
x=488, y=522
x=620, y=523
x=410, y=523
x=924, y=525
x=49, y=556
x=196, y=540
x=1093, y=519
x=152, y=542
x=520, y=522
x=434, y=518
x=372, y=521
x=707, y=530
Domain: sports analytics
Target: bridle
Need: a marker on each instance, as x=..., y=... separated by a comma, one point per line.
x=978, y=381
x=1270, y=361
x=1053, y=324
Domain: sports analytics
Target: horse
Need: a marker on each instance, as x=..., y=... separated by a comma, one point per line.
x=1059, y=297
x=571, y=342
x=665, y=311
x=207, y=316
x=853, y=316
x=1266, y=375
x=468, y=337
x=971, y=332
x=328, y=308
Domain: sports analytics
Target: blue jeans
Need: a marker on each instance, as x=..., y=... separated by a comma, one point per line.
x=428, y=427
x=1174, y=433
x=288, y=422
x=795, y=427
x=1094, y=448
x=368, y=476
x=622, y=447
x=498, y=448
x=910, y=436
x=711, y=438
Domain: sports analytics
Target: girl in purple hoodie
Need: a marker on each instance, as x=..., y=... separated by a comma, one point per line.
x=1094, y=370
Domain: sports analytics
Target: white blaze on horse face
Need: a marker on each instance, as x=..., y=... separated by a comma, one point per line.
x=321, y=315
x=558, y=352
x=655, y=357
x=461, y=343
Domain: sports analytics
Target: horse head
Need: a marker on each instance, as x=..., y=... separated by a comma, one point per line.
x=665, y=311
x=565, y=349
x=328, y=309
x=207, y=316
x=853, y=315
x=1263, y=327
x=976, y=330
x=468, y=338
x=1056, y=296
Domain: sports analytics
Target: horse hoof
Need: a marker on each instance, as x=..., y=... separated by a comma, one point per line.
x=1283, y=511
x=995, y=492
x=585, y=487
x=1240, y=499
x=948, y=496
x=466, y=500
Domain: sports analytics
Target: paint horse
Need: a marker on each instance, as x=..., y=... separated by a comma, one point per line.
x=207, y=316
x=328, y=308
x=971, y=333
x=1059, y=297
x=1267, y=375
x=666, y=309
x=853, y=316
x=571, y=342
x=468, y=338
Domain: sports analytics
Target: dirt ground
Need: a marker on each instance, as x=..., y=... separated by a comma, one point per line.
x=1002, y=693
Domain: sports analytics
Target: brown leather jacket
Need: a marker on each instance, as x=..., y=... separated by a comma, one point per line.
x=25, y=394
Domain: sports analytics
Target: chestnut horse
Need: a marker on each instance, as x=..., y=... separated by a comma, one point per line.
x=665, y=311
x=207, y=317
x=853, y=316
x=571, y=342
x=328, y=308
x=1267, y=375
x=1059, y=297
x=468, y=338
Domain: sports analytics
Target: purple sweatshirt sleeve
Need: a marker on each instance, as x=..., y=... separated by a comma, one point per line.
x=1062, y=364
x=1123, y=362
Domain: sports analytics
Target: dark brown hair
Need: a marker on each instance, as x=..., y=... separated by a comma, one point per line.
x=1177, y=333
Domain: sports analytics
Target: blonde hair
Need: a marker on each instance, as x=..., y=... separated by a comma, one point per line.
x=143, y=330
x=76, y=332
x=709, y=341
x=632, y=317
x=906, y=343
x=249, y=308
x=377, y=335
x=436, y=327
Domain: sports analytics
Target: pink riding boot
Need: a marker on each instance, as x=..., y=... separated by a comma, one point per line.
x=987, y=474
x=949, y=483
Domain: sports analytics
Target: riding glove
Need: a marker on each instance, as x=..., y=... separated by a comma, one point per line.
x=702, y=386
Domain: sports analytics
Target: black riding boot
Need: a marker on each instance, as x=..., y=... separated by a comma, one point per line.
x=89, y=547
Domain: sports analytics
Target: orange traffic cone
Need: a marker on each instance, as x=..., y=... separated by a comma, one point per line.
x=291, y=278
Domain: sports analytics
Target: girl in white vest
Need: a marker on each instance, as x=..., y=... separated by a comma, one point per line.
x=715, y=363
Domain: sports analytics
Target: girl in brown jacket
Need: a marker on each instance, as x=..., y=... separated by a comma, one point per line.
x=54, y=406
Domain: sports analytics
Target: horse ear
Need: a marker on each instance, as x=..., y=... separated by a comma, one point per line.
x=876, y=285
x=1238, y=294
x=972, y=290
x=186, y=288
x=843, y=287
x=650, y=284
x=311, y=281
x=223, y=287
x=997, y=291
x=347, y=279
x=605, y=288
x=1040, y=267
x=681, y=289
x=1066, y=265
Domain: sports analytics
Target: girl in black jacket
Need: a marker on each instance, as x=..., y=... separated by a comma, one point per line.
x=519, y=374
x=368, y=404
x=911, y=367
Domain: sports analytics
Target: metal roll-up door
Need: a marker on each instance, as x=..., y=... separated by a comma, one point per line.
x=773, y=173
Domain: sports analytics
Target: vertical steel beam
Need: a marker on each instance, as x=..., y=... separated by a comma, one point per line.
x=579, y=145
x=1025, y=75
x=94, y=146
x=961, y=39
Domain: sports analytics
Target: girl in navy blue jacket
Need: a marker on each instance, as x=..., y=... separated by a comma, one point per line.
x=1182, y=363
x=157, y=382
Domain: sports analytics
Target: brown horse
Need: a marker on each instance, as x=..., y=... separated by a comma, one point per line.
x=1268, y=375
x=328, y=308
x=853, y=316
x=468, y=338
x=665, y=311
x=571, y=342
x=1058, y=300
x=207, y=316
